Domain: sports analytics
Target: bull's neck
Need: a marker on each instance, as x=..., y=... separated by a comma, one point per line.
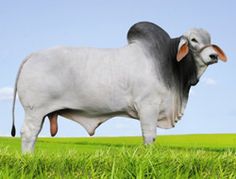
x=185, y=71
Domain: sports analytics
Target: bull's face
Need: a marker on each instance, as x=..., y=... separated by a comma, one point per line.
x=198, y=42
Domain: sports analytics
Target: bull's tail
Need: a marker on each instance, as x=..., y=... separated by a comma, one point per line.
x=13, y=129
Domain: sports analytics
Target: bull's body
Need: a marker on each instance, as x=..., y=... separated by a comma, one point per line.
x=142, y=80
x=92, y=85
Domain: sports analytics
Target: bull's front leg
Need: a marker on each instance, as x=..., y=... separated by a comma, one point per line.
x=148, y=115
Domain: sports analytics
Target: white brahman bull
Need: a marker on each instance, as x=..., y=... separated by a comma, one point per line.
x=149, y=80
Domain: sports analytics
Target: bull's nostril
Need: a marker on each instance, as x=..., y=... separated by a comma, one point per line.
x=214, y=56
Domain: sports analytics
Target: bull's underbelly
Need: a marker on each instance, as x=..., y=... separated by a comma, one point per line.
x=91, y=116
x=170, y=112
x=89, y=121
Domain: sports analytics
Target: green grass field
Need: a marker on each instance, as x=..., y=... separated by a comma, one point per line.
x=177, y=156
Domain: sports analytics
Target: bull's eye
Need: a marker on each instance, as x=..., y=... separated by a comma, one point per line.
x=194, y=40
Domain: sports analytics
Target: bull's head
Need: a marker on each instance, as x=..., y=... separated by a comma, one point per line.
x=198, y=42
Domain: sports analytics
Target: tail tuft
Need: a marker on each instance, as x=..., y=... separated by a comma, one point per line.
x=13, y=131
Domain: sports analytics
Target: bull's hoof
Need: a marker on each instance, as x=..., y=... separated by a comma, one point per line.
x=149, y=140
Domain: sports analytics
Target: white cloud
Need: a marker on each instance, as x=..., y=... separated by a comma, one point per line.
x=209, y=81
x=5, y=135
x=6, y=93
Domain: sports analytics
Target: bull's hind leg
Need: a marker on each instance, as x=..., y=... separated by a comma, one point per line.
x=29, y=133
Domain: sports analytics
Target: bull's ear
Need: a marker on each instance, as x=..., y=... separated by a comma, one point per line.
x=220, y=53
x=182, y=49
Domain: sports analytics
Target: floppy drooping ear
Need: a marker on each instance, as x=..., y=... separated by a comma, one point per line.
x=220, y=53
x=182, y=49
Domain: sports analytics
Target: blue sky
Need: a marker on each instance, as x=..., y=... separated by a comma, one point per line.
x=28, y=26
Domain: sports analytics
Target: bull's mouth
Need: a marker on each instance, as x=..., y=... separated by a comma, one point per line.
x=212, y=62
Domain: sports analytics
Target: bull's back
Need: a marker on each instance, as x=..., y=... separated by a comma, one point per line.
x=81, y=77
